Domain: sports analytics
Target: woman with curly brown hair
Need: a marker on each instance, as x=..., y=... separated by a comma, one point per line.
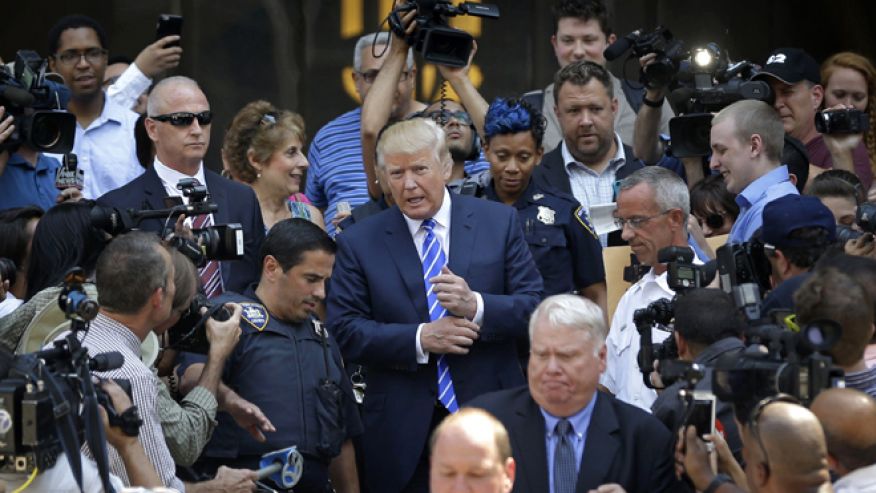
x=264, y=147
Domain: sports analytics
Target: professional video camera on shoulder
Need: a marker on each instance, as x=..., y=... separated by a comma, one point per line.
x=190, y=332
x=48, y=401
x=40, y=122
x=682, y=275
x=434, y=38
x=218, y=242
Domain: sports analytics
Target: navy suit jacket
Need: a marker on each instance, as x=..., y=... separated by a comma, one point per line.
x=377, y=299
x=624, y=445
x=237, y=204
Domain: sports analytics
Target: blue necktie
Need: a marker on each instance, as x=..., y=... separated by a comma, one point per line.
x=433, y=260
x=565, y=469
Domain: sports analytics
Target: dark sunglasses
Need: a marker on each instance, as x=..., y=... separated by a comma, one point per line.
x=184, y=119
x=442, y=117
x=714, y=220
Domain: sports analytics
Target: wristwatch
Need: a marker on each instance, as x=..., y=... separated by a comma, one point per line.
x=716, y=483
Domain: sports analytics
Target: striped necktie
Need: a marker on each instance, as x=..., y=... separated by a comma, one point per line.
x=565, y=469
x=433, y=260
x=210, y=274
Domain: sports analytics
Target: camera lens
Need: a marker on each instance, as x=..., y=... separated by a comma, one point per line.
x=45, y=132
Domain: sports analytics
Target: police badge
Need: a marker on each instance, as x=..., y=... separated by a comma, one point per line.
x=546, y=215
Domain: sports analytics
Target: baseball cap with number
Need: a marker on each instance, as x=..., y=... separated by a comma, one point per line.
x=791, y=65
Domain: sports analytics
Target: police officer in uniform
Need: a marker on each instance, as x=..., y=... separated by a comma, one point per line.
x=290, y=367
x=564, y=244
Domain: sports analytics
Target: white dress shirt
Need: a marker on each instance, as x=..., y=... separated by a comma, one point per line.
x=442, y=234
x=170, y=177
x=128, y=87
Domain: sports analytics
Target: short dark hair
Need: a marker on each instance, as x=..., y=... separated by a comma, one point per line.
x=705, y=316
x=129, y=270
x=861, y=269
x=832, y=295
x=74, y=22
x=836, y=185
x=796, y=158
x=581, y=73
x=817, y=241
x=290, y=239
x=13, y=233
x=710, y=193
x=584, y=10
x=511, y=116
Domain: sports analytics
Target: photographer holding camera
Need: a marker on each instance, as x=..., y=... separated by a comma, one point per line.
x=707, y=326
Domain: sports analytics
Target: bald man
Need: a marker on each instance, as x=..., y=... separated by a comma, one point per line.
x=785, y=451
x=470, y=451
x=848, y=417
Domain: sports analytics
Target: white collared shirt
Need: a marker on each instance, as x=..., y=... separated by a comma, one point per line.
x=170, y=177
x=622, y=376
x=442, y=232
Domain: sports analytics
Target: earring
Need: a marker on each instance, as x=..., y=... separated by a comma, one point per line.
x=258, y=175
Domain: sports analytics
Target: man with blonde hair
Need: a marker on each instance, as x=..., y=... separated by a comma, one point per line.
x=429, y=296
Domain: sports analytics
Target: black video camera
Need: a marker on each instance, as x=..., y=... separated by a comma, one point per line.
x=865, y=218
x=669, y=50
x=845, y=121
x=48, y=402
x=434, y=38
x=745, y=275
x=190, y=332
x=35, y=103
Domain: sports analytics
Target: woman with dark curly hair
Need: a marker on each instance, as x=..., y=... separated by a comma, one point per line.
x=264, y=148
x=563, y=243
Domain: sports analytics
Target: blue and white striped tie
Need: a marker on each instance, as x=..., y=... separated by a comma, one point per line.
x=433, y=260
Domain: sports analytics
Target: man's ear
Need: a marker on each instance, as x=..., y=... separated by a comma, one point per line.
x=817, y=92
x=151, y=129
x=271, y=268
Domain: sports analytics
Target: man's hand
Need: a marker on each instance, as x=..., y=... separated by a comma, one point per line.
x=249, y=417
x=6, y=126
x=450, y=335
x=234, y=480
x=399, y=43
x=454, y=294
x=653, y=93
x=158, y=57
x=609, y=488
x=115, y=436
x=223, y=336
x=71, y=194
x=340, y=216
x=862, y=246
x=452, y=73
x=696, y=458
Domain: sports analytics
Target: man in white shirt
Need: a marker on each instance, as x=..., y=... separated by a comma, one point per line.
x=126, y=82
x=104, y=141
x=652, y=210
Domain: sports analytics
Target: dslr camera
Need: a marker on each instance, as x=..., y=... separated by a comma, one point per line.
x=669, y=50
x=433, y=37
x=190, y=332
x=845, y=121
x=865, y=218
x=35, y=104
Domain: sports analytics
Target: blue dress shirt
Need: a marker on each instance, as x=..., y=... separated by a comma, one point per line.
x=580, y=421
x=22, y=184
x=754, y=198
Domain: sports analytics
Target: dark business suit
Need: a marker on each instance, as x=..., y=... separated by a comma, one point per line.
x=624, y=445
x=237, y=204
x=377, y=299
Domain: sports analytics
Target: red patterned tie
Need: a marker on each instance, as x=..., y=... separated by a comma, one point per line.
x=210, y=274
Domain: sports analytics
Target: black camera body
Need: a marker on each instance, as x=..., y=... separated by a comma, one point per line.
x=844, y=121
x=669, y=50
x=34, y=102
x=745, y=275
x=190, y=332
x=434, y=38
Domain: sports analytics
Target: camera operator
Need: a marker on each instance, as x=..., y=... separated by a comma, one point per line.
x=797, y=229
x=847, y=416
x=784, y=451
x=832, y=295
x=707, y=326
x=747, y=139
x=134, y=278
x=795, y=79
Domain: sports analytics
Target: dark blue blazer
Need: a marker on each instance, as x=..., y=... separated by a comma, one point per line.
x=237, y=204
x=624, y=445
x=377, y=299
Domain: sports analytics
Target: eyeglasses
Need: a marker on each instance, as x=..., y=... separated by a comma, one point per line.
x=636, y=222
x=71, y=57
x=371, y=75
x=714, y=220
x=184, y=119
x=757, y=412
x=442, y=117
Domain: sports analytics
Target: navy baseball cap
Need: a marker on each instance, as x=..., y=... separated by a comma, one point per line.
x=791, y=65
x=791, y=212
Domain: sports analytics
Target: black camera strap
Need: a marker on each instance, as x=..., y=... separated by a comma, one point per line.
x=94, y=432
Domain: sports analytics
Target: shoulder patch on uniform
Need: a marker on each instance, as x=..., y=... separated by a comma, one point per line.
x=256, y=315
x=538, y=196
x=581, y=216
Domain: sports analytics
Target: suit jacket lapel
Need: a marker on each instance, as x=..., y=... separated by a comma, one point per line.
x=462, y=237
x=602, y=445
x=554, y=171
x=530, y=449
x=400, y=247
x=154, y=189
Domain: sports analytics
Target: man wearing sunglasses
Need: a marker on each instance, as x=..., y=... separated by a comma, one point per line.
x=178, y=123
x=104, y=140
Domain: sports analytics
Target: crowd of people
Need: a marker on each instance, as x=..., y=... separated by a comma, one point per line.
x=420, y=302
